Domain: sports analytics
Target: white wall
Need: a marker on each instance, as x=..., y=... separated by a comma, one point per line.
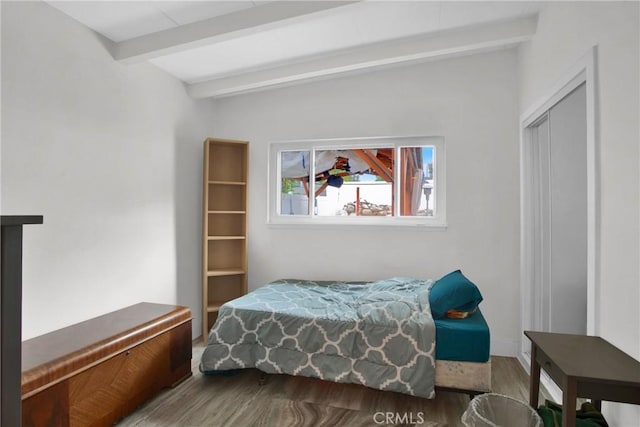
x=472, y=102
x=111, y=156
x=566, y=30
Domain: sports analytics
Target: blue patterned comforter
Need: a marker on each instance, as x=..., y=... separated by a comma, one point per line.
x=378, y=334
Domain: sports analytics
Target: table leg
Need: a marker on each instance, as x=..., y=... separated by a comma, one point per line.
x=10, y=325
x=597, y=403
x=534, y=380
x=569, y=391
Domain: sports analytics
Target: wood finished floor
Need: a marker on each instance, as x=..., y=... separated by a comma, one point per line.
x=239, y=400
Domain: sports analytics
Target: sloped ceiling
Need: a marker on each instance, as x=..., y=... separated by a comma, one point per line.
x=223, y=48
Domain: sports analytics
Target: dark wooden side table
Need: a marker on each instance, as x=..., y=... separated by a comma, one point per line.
x=582, y=366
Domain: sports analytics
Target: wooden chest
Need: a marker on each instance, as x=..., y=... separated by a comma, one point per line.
x=96, y=372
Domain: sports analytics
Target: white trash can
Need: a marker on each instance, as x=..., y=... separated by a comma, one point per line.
x=496, y=410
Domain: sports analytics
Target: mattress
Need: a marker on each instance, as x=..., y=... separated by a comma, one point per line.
x=464, y=340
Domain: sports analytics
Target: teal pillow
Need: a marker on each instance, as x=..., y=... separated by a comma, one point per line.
x=453, y=291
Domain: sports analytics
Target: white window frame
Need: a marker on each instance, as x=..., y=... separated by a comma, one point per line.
x=437, y=221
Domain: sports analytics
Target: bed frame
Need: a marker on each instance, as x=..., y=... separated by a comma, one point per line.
x=466, y=377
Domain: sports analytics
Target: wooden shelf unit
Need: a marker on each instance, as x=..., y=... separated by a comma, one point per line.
x=224, y=242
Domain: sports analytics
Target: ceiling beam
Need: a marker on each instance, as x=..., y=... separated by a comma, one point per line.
x=446, y=44
x=219, y=28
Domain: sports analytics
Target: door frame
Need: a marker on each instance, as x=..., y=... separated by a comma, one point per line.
x=583, y=71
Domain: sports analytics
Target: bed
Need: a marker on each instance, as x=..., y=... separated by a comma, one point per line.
x=380, y=334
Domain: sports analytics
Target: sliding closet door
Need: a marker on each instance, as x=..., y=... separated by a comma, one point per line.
x=568, y=222
x=541, y=203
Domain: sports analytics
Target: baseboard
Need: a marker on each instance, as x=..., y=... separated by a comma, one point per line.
x=504, y=348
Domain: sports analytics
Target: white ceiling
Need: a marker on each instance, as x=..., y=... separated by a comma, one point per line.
x=221, y=48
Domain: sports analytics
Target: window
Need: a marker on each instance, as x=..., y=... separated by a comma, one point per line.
x=377, y=181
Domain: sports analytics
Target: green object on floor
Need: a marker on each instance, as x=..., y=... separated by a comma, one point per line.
x=586, y=416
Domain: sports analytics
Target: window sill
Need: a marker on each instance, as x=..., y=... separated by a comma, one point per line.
x=371, y=222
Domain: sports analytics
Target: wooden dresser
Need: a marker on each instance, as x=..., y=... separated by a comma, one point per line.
x=96, y=372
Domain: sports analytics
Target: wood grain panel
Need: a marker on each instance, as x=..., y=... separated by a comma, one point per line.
x=180, y=353
x=47, y=408
x=109, y=391
x=97, y=394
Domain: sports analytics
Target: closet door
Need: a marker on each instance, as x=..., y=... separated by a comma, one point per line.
x=568, y=221
x=540, y=188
